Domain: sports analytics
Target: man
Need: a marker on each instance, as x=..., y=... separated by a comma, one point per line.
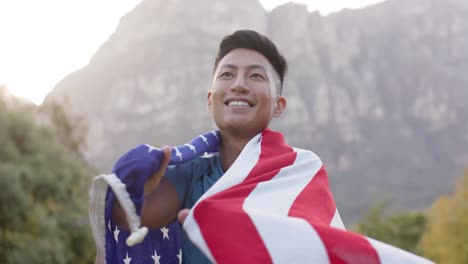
x=244, y=97
x=257, y=200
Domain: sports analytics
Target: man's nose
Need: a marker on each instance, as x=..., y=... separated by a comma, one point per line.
x=240, y=86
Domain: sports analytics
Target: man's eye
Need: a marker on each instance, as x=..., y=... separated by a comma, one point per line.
x=257, y=75
x=226, y=74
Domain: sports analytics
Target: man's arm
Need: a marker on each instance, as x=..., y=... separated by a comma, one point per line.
x=161, y=203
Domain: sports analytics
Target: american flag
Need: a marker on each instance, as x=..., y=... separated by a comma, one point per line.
x=139, y=245
x=272, y=206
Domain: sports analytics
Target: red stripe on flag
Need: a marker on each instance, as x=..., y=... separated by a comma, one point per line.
x=221, y=217
x=344, y=247
x=316, y=205
x=315, y=202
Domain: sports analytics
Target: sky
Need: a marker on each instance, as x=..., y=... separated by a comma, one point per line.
x=41, y=42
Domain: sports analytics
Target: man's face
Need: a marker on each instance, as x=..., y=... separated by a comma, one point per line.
x=243, y=98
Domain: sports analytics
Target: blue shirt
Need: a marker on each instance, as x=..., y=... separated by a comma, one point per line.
x=192, y=180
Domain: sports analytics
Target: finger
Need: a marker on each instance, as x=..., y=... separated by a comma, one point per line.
x=165, y=161
x=182, y=215
x=167, y=156
x=154, y=180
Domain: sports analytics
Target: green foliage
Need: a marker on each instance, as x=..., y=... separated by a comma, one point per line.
x=69, y=131
x=400, y=230
x=446, y=239
x=43, y=209
x=440, y=235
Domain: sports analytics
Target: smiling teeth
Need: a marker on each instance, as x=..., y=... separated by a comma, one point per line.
x=238, y=103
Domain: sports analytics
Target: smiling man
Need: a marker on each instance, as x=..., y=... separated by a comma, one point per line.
x=245, y=95
x=255, y=200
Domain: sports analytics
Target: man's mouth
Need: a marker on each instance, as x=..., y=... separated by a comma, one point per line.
x=238, y=103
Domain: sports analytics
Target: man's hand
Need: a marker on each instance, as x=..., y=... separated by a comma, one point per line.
x=183, y=215
x=153, y=181
x=162, y=204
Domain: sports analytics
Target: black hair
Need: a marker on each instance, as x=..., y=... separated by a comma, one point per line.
x=249, y=39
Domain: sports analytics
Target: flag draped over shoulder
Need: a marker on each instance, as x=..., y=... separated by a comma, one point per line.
x=273, y=205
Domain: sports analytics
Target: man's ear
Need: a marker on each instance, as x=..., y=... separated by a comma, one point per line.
x=210, y=105
x=279, y=107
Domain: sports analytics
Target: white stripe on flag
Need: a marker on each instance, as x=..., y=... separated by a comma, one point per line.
x=268, y=206
x=390, y=254
x=277, y=195
x=294, y=242
x=239, y=170
x=336, y=221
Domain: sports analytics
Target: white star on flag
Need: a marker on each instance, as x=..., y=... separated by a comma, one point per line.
x=204, y=139
x=216, y=135
x=165, y=232
x=127, y=259
x=156, y=257
x=192, y=147
x=179, y=256
x=178, y=153
x=150, y=148
x=116, y=234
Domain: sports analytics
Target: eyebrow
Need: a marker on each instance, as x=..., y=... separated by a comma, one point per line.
x=249, y=67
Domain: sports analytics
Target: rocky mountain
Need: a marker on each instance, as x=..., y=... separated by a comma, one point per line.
x=378, y=93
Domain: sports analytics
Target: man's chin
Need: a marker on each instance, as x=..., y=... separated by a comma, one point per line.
x=241, y=129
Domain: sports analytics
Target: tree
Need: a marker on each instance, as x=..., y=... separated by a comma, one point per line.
x=402, y=230
x=69, y=130
x=43, y=209
x=446, y=239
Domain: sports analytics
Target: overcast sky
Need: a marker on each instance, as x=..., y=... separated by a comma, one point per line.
x=43, y=41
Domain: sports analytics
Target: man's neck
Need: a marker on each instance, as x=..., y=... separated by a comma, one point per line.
x=230, y=148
